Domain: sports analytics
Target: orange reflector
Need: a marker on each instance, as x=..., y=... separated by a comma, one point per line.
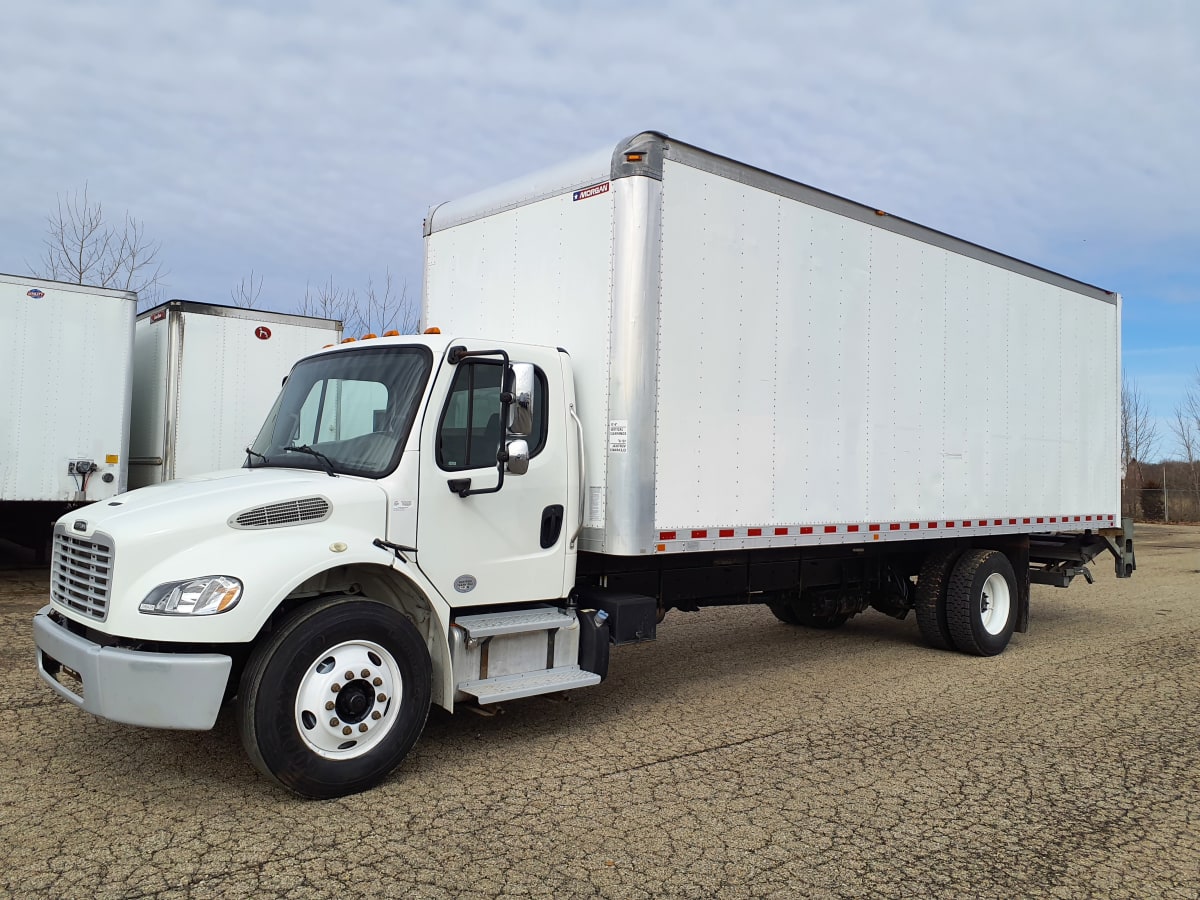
x=347, y=340
x=392, y=333
x=662, y=548
x=433, y=330
x=368, y=336
x=880, y=212
x=634, y=157
x=112, y=459
x=327, y=346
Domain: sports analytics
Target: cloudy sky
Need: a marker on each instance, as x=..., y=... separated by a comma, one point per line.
x=305, y=141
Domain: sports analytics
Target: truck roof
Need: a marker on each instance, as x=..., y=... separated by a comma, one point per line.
x=653, y=147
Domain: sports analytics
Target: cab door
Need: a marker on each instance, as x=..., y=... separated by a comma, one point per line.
x=505, y=546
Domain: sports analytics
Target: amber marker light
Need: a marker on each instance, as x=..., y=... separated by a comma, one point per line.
x=433, y=330
x=368, y=336
x=392, y=333
x=349, y=340
x=634, y=157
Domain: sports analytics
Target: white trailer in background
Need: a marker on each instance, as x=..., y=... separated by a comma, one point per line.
x=663, y=380
x=66, y=367
x=204, y=378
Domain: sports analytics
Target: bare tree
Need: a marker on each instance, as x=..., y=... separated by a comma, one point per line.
x=1186, y=426
x=1139, y=439
x=388, y=311
x=247, y=292
x=376, y=311
x=82, y=248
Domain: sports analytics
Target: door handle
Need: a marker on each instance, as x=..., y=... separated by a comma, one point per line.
x=552, y=522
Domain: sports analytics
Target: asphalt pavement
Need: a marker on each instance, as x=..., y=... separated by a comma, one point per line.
x=735, y=757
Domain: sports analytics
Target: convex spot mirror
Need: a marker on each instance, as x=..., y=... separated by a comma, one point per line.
x=520, y=383
x=518, y=457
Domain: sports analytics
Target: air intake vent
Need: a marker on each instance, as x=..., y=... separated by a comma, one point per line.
x=280, y=515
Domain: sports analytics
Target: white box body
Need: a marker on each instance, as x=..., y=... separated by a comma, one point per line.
x=66, y=367
x=205, y=377
x=759, y=363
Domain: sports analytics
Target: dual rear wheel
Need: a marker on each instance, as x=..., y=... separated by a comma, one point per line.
x=967, y=601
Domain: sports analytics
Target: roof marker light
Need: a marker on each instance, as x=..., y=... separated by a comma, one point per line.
x=391, y=333
x=433, y=330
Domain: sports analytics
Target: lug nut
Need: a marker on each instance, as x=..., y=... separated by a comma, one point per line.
x=347, y=730
x=334, y=722
x=349, y=675
x=382, y=698
x=366, y=673
x=377, y=681
x=377, y=715
x=362, y=726
x=329, y=704
x=336, y=687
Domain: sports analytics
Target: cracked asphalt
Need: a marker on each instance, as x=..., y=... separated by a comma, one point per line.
x=735, y=757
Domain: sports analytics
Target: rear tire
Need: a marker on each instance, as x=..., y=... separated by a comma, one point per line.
x=930, y=600
x=336, y=665
x=981, y=602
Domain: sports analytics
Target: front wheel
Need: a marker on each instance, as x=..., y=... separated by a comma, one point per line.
x=335, y=698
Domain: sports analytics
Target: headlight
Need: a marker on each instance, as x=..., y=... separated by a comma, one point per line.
x=199, y=597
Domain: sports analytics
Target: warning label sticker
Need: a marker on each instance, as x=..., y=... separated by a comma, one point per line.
x=618, y=436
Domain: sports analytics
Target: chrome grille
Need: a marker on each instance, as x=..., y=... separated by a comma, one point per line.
x=290, y=512
x=81, y=573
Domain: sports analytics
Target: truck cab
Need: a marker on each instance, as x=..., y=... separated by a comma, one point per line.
x=405, y=506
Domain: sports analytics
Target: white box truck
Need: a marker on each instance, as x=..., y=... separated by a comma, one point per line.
x=64, y=415
x=204, y=378
x=664, y=380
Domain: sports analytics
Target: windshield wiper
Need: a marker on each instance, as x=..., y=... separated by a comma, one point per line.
x=250, y=453
x=304, y=448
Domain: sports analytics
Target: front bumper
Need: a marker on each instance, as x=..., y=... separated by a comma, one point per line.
x=155, y=690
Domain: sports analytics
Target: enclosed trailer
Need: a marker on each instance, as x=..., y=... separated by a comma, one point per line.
x=204, y=377
x=762, y=364
x=64, y=413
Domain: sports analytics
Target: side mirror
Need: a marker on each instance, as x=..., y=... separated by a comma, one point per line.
x=517, y=462
x=521, y=382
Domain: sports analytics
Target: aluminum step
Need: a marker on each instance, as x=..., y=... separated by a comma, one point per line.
x=541, y=618
x=528, y=684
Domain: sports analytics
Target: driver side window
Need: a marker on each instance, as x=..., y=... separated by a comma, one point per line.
x=470, y=433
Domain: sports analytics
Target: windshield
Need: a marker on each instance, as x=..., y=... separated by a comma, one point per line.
x=346, y=412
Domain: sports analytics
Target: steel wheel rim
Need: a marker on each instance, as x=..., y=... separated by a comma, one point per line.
x=995, y=601
x=341, y=717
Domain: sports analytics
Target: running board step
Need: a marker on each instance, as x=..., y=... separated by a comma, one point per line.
x=541, y=618
x=527, y=684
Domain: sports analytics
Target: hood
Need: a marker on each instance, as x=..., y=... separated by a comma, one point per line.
x=259, y=498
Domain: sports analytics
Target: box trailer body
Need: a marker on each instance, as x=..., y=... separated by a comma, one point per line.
x=663, y=380
x=758, y=357
x=65, y=413
x=205, y=376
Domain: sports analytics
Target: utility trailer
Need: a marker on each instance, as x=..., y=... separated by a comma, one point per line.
x=65, y=410
x=663, y=380
x=205, y=376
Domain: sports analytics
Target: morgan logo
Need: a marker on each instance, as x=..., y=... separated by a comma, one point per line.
x=594, y=191
x=464, y=584
x=158, y=316
x=35, y=293
x=263, y=333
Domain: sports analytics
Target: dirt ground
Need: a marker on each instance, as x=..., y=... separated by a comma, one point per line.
x=735, y=757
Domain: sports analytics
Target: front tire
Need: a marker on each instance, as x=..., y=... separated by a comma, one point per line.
x=981, y=602
x=335, y=698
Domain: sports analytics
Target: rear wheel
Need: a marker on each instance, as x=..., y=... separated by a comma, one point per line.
x=930, y=600
x=335, y=698
x=981, y=602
